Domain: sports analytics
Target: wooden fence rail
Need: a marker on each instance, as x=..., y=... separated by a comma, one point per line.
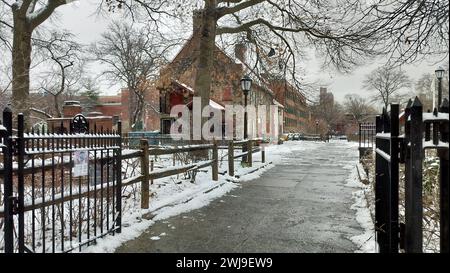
x=147, y=176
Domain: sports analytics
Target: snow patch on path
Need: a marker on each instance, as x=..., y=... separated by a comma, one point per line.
x=366, y=242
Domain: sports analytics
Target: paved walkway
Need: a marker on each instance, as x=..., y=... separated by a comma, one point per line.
x=301, y=205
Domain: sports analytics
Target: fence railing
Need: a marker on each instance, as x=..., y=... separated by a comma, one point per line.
x=421, y=131
x=366, y=138
x=46, y=208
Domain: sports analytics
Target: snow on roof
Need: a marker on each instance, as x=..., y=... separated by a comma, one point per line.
x=214, y=104
x=187, y=87
x=277, y=103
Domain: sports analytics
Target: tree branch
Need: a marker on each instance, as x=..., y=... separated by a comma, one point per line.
x=224, y=11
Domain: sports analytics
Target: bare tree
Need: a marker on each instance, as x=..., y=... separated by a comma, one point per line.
x=132, y=56
x=411, y=30
x=386, y=82
x=5, y=25
x=65, y=68
x=424, y=90
x=27, y=15
x=358, y=107
x=329, y=115
x=343, y=32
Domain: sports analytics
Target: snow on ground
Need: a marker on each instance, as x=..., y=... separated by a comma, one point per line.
x=172, y=196
x=366, y=242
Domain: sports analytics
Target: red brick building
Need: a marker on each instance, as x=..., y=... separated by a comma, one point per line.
x=296, y=112
x=97, y=121
x=177, y=80
x=118, y=106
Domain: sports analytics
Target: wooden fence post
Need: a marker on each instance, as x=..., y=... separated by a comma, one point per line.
x=231, y=158
x=263, y=154
x=145, y=175
x=249, y=152
x=151, y=169
x=244, y=149
x=444, y=184
x=215, y=164
x=413, y=186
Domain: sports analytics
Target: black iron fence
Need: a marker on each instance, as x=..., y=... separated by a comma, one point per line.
x=421, y=131
x=52, y=201
x=366, y=138
x=51, y=204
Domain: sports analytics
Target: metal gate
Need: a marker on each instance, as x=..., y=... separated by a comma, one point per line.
x=366, y=135
x=51, y=204
x=421, y=131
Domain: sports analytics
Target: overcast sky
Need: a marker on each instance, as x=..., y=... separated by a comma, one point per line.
x=80, y=19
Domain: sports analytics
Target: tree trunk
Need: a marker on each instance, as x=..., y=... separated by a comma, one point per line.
x=21, y=61
x=56, y=104
x=207, y=33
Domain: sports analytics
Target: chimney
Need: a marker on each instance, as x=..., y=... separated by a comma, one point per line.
x=239, y=51
x=71, y=108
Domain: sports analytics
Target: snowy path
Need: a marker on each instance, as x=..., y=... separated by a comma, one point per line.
x=300, y=205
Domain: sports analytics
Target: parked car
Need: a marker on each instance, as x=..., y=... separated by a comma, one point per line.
x=296, y=137
x=284, y=137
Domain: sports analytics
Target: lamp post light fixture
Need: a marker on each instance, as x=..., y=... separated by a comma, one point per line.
x=439, y=75
x=246, y=85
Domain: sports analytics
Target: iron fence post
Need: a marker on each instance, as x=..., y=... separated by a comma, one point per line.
x=413, y=186
x=393, y=181
x=8, y=183
x=444, y=184
x=380, y=185
x=20, y=182
x=119, y=178
x=407, y=160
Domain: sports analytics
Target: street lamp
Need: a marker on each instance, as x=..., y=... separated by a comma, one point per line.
x=246, y=85
x=439, y=75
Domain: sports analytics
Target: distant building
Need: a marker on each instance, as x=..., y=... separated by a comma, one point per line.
x=176, y=82
x=326, y=98
x=97, y=121
x=296, y=113
x=118, y=106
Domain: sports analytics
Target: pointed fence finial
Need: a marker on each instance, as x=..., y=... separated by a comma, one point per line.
x=409, y=103
x=435, y=112
x=416, y=102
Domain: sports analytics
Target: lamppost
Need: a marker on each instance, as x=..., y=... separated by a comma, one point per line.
x=439, y=75
x=246, y=85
